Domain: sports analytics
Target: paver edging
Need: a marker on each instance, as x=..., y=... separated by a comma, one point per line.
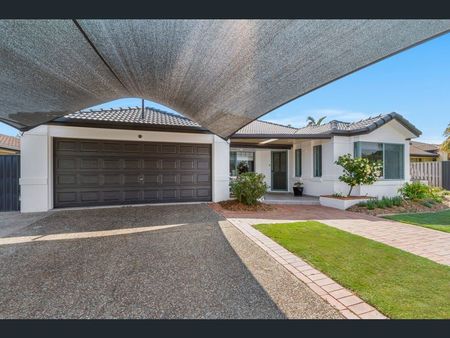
x=328, y=289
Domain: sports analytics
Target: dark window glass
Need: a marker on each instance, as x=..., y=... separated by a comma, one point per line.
x=394, y=161
x=391, y=155
x=298, y=162
x=237, y=157
x=317, y=161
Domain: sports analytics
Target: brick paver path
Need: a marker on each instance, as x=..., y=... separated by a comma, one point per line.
x=347, y=303
x=428, y=243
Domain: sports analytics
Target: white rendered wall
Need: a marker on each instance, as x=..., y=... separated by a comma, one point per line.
x=36, y=180
x=392, y=132
x=263, y=159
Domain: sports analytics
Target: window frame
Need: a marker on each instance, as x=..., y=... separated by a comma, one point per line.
x=357, y=153
x=236, y=163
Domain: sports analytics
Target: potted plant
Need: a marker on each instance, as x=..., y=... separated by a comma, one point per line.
x=298, y=188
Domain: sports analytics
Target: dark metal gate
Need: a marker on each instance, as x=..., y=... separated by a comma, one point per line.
x=446, y=175
x=9, y=182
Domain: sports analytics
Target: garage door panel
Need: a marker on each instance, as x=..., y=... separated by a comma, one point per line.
x=169, y=149
x=203, y=164
x=90, y=196
x=132, y=195
x=151, y=195
x=131, y=164
x=66, y=179
x=90, y=180
x=152, y=148
x=93, y=172
x=152, y=163
x=90, y=146
x=110, y=196
x=170, y=164
x=89, y=163
x=66, y=163
x=112, y=164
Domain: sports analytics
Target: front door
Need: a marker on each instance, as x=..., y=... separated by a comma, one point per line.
x=279, y=170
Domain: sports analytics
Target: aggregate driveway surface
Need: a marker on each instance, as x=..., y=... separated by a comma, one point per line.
x=186, y=271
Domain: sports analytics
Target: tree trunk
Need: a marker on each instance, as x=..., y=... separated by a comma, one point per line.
x=349, y=193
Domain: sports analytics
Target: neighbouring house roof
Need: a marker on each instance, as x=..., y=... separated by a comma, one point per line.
x=421, y=149
x=9, y=142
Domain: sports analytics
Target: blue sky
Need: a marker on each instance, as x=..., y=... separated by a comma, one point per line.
x=414, y=83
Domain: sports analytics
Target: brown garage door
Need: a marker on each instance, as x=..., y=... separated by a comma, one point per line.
x=93, y=172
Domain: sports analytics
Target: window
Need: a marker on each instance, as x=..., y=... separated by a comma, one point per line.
x=298, y=163
x=317, y=161
x=392, y=155
x=237, y=157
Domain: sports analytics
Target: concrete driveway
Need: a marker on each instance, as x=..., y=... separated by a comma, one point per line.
x=179, y=261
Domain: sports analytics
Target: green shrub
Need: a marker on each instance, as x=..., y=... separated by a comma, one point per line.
x=371, y=204
x=414, y=191
x=248, y=188
x=397, y=201
x=417, y=191
x=387, y=202
x=358, y=171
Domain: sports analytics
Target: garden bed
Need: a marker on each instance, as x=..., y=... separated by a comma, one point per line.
x=406, y=207
x=342, y=202
x=234, y=205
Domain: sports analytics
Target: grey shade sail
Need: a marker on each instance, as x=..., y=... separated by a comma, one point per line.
x=220, y=73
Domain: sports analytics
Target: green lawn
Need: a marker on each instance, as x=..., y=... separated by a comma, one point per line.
x=397, y=283
x=439, y=220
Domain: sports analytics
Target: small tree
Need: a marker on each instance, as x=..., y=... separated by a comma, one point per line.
x=358, y=170
x=445, y=146
x=248, y=188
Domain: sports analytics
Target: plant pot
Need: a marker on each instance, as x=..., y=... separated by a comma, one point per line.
x=298, y=191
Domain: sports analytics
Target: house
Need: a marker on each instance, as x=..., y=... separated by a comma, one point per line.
x=9, y=145
x=130, y=156
x=426, y=152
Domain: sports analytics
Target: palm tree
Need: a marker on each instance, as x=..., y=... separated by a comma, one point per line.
x=313, y=122
x=445, y=146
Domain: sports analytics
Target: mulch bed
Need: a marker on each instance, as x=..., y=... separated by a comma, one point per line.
x=346, y=197
x=407, y=207
x=234, y=205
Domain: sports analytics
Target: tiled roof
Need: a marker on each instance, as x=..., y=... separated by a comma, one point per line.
x=151, y=116
x=423, y=149
x=425, y=146
x=360, y=127
x=263, y=127
x=257, y=128
x=9, y=142
x=329, y=129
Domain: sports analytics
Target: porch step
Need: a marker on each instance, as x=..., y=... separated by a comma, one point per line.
x=299, y=202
